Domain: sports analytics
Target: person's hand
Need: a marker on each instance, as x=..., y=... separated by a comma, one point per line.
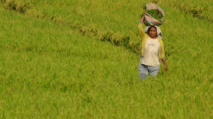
x=166, y=68
x=165, y=64
x=142, y=19
x=144, y=12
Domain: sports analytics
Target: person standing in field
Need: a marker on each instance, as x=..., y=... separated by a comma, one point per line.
x=151, y=53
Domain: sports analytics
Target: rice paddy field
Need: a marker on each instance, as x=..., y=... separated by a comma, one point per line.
x=79, y=59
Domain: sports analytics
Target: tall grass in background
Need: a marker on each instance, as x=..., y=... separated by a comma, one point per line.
x=195, y=8
x=54, y=66
x=114, y=21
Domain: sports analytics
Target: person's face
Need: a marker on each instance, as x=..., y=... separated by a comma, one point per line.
x=152, y=32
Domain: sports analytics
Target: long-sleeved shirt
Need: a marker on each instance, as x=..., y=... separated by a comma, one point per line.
x=152, y=50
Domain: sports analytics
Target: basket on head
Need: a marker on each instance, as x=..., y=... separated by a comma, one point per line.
x=149, y=20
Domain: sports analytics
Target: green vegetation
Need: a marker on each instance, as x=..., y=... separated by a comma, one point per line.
x=50, y=71
x=155, y=14
x=78, y=59
x=196, y=8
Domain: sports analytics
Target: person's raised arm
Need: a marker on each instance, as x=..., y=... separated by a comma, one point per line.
x=140, y=28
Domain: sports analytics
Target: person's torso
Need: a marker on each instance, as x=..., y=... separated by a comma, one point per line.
x=150, y=56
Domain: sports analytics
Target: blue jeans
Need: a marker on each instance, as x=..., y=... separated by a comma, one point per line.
x=145, y=70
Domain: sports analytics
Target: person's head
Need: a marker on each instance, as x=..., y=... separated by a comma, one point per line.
x=152, y=31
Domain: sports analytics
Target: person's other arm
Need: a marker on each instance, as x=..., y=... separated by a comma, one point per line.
x=162, y=55
x=165, y=64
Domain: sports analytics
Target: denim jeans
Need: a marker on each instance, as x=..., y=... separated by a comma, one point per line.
x=145, y=70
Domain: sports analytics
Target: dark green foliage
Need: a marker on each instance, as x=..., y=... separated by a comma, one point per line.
x=144, y=6
x=155, y=14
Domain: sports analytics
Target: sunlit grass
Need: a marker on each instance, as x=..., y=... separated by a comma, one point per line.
x=50, y=70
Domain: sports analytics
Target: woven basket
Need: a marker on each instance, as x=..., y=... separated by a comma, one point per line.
x=149, y=20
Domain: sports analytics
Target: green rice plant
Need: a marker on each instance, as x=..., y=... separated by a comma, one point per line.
x=18, y=6
x=196, y=8
x=55, y=60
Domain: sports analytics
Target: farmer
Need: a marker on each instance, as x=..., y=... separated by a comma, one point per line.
x=151, y=53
